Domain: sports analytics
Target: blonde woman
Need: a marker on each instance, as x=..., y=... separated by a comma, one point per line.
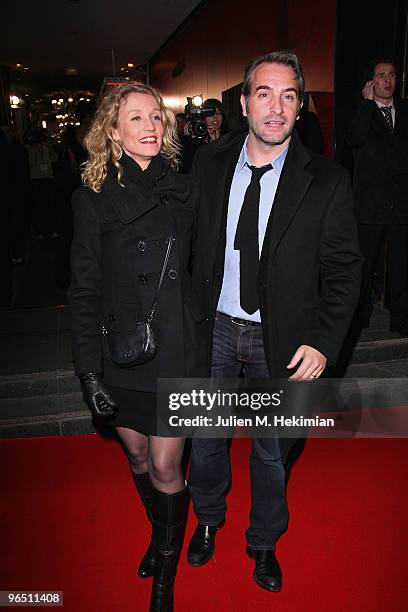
x=131, y=206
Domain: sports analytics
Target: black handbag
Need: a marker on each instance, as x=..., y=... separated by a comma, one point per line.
x=128, y=349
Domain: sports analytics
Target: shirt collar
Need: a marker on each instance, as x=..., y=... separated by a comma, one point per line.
x=244, y=161
x=381, y=105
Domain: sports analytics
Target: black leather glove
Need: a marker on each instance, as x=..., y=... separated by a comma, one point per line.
x=96, y=395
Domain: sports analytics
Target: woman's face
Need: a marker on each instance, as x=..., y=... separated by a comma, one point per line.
x=139, y=128
x=215, y=121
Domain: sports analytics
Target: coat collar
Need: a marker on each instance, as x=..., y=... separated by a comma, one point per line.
x=224, y=154
x=135, y=197
x=293, y=185
x=292, y=188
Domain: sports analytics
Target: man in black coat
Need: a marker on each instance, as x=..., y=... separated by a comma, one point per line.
x=379, y=136
x=286, y=314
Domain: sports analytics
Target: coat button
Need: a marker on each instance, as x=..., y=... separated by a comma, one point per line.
x=206, y=280
x=218, y=274
x=111, y=316
x=141, y=245
x=143, y=278
x=172, y=274
x=164, y=200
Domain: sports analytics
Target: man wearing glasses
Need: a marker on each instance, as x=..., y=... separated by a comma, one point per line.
x=379, y=137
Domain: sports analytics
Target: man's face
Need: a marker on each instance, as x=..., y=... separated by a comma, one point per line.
x=181, y=122
x=384, y=80
x=273, y=104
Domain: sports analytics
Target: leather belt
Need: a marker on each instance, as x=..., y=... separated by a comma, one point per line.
x=236, y=320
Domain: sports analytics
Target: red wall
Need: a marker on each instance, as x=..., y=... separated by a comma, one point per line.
x=311, y=35
x=216, y=43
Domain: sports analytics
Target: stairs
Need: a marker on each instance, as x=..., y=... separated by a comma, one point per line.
x=40, y=395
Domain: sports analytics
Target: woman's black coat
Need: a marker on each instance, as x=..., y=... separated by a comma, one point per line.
x=117, y=255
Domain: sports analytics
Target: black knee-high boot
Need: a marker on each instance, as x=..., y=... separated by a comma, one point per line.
x=144, y=486
x=169, y=524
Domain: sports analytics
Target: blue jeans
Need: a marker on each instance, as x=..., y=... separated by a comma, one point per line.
x=238, y=350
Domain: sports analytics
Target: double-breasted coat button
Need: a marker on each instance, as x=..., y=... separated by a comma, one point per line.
x=207, y=280
x=164, y=200
x=172, y=274
x=141, y=245
x=111, y=316
x=218, y=274
x=142, y=278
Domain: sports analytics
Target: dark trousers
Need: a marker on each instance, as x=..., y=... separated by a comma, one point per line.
x=44, y=213
x=238, y=349
x=371, y=238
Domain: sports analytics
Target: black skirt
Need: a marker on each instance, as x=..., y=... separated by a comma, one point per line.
x=136, y=410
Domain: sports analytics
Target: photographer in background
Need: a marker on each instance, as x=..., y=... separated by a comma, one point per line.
x=205, y=124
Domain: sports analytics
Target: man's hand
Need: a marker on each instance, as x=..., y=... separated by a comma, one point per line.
x=312, y=366
x=96, y=395
x=368, y=90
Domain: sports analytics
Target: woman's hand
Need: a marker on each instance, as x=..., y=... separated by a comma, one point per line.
x=96, y=395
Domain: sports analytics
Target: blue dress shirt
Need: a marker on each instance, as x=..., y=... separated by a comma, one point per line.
x=229, y=301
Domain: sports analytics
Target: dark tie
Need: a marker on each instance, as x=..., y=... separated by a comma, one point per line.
x=386, y=111
x=246, y=241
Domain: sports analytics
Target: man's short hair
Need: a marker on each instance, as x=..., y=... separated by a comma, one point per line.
x=284, y=58
x=370, y=67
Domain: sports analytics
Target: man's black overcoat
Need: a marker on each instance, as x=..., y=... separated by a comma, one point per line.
x=309, y=275
x=380, y=164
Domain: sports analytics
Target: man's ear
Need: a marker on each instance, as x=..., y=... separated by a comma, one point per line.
x=243, y=105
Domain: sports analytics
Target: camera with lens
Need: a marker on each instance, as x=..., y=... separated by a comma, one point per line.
x=196, y=118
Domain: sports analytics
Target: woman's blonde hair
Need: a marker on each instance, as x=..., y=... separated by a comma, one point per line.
x=99, y=141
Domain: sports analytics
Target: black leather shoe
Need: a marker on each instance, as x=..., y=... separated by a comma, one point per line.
x=202, y=545
x=267, y=572
x=400, y=328
x=146, y=566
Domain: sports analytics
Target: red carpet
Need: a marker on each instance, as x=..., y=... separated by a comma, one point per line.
x=71, y=521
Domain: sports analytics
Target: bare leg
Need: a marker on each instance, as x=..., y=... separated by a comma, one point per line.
x=136, y=447
x=164, y=461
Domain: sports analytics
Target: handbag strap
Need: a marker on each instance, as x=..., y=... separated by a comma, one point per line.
x=170, y=241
